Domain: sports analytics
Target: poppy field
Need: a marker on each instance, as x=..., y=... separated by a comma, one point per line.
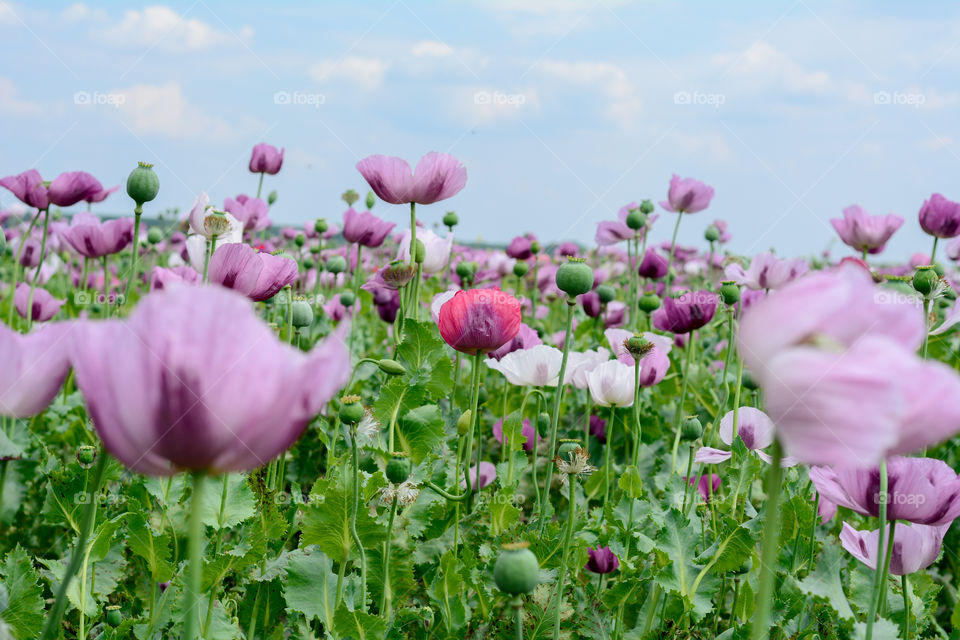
x=214, y=426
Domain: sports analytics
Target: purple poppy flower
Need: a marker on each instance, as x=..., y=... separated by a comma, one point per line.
x=438, y=176
x=486, y=474
x=915, y=546
x=44, y=306
x=602, y=560
x=519, y=247
x=266, y=159
x=92, y=238
x=940, y=217
x=598, y=428
x=28, y=187
x=686, y=313
x=687, y=195
x=35, y=366
x=255, y=274
x=707, y=485
x=71, y=187
x=252, y=212
x=365, y=228
x=653, y=265
x=526, y=432
x=864, y=232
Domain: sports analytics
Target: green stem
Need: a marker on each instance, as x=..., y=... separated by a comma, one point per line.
x=517, y=604
x=413, y=233
x=475, y=419
x=882, y=607
x=771, y=537
x=353, y=520
x=52, y=627
x=906, y=607
x=195, y=555
x=36, y=274
x=683, y=396
x=260, y=185
x=385, y=599
x=880, y=575
x=933, y=251
x=567, y=538
x=673, y=246
x=555, y=416
x=136, y=253
x=17, y=266
x=608, y=461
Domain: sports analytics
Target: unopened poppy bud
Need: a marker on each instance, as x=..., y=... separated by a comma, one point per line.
x=371, y=200
x=647, y=207
x=113, y=615
x=349, y=196
x=606, y=293
x=351, y=409
x=691, y=429
x=391, y=367
x=86, y=455
x=143, y=185
x=466, y=270
x=301, y=314
x=347, y=298
x=398, y=468
x=481, y=396
x=215, y=223
x=543, y=424
x=638, y=346
x=517, y=570
x=315, y=249
x=711, y=234
x=648, y=302
x=308, y=263
x=272, y=197
x=420, y=251
x=925, y=279
x=300, y=240
x=575, y=277
x=636, y=219
x=534, y=247
x=730, y=292
x=463, y=423
x=520, y=268
x=567, y=446
x=450, y=220
x=154, y=235
x=336, y=264
x=321, y=226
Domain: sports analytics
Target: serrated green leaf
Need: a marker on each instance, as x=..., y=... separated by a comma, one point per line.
x=824, y=582
x=154, y=549
x=24, y=597
x=227, y=501
x=423, y=353
x=310, y=586
x=357, y=625
x=326, y=521
x=419, y=431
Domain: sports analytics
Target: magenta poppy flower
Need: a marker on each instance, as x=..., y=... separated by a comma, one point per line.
x=161, y=277
x=526, y=338
x=567, y=250
x=915, y=546
x=940, y=217
x=44, y=305
x=653, y=265
x=101, y=195
x=387, y=302
x=707, y=485
x=688, y=312
x=611, y=232
x=203, y=383
x=687, y=195
x=919, y=490
x=526, y=431
x=71, y=187
x=590, y=301
x=438, y=176
x=520, y=247
x=485, y=475
x=252, y=212
x=28, y=187
x=479, y=320
x=266, y=159
x=864, y=232
x=255, y=274
x=92, y=238
x=602, y=560
x=365, y=228
x=35, y=366
x=767, y=271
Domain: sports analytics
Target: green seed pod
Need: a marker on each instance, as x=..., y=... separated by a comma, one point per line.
x=113, y=616
x=647, y=207
x=301, y=314
x=300, y=240
x=86, y=455
x=711, y=233
x=638, y=346
x=520, y=268
x=315, y=250
x=691, y=429
x=466, y=270
x=308, y=263
x=371, y=200
x=450, y=219
x=143, y=185
x=567, y=446
x=543, y=424
x=534, y=247
x=463, y=423
x=648, y=302
x=391, y=367
x=636, y=219
x=606, y=293
x=321, y=226
x=517, y=570
x=730, y=292
x=271, y=197
x=154, y=235
x=351, y=410
x=398, y=468
x=347, y=298
x=575, y=277
x=924, y=280
x=420, y=251
x=336, y=264
x=349, y=196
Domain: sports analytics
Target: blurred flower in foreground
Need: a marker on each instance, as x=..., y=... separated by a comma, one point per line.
x=34, y=367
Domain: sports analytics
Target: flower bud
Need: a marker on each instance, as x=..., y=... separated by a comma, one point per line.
x=606, y=293
x=371, y=200
x=543, y=424
x=391, y=367
x=321, y=226
x=154, y=235
x=647, y=207
x=349, y=196
x=730, y=292
x=420, y=251
x=347, y=298
x=711, y=234
x=336, y=264
x=86, y=455
x=466, y=270
x=271, y=197
x=113, y=615
x=648, y=303
x=301, y=314
x=534, y=247
x=300, y=240
x=575, y=277
x=520, y=268
x=567, y=446
x=315, y=250
x=517, y=570
x=143, y=185
x=691, y=429
x=636, y=219
x=398, y=468
x=925, y=279
x=308, y=263
x=351, y=409
x=463, y=423
x=450, y=220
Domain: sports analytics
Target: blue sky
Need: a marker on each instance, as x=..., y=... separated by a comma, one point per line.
x=561, y=110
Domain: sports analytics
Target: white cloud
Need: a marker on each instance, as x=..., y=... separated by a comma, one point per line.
x=365, y=72
x=761, y=66
x=166, y=29
x=11, y=104
x=432, y=48
x=79, y=11
x=624, y=103
x=475, y=105
x=163, y=110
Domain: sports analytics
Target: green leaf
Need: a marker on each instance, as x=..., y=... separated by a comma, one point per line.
x=326, y=521
x=24, y=601
x=424, y=355
x=446, y=591
x=420, y=431
x=227, y=501
x=154, y=549
x=503, y=513
x=678, y=542
x=356, y=625
x=732, y=547
x=395, y=399
x=630, y=482
x=310, y=586
x=824, y=582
